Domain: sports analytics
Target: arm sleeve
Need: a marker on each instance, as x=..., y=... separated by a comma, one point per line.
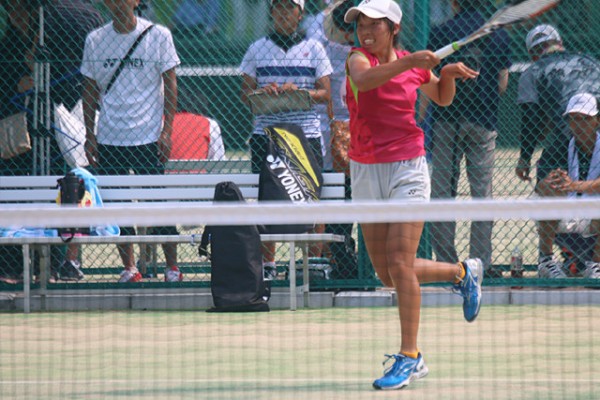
x=499, y=51
x=216, y=149
x=324, y=67
x=168, y=53
x=505, y=50
x=531, y=129
x=87, y=64
x=248, y=65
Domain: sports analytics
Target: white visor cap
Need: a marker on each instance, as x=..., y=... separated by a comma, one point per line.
x=583, y=103
x=541, y=34
x=375, y=9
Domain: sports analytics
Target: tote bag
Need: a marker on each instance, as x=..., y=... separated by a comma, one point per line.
x=14, y=138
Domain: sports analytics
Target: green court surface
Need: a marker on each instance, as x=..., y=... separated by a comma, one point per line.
x=510, y=352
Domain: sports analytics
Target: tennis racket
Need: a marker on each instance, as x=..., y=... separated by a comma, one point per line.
x=514, y=12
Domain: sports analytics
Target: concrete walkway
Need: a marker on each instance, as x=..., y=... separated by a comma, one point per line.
x=201, y=299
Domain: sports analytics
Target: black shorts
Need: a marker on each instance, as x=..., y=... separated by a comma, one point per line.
x=142, y=160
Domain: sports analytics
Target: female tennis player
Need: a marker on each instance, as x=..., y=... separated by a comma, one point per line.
x=388, y=163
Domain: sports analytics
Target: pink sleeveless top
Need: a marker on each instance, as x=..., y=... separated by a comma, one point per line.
x=382, y=120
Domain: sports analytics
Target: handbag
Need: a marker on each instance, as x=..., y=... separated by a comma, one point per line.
x=14, y=137
x=340, y=143
x=70, y=134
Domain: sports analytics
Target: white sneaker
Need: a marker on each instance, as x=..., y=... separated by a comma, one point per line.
x=130, y=275
x=550, y=268
x=173, y=274
x=592, y=270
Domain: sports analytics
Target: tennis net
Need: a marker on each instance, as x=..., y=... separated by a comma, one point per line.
x=534, y=337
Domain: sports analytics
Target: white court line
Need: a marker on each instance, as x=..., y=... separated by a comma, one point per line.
x=289, y=380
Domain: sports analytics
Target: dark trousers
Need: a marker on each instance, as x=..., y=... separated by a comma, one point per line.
x=139, y=160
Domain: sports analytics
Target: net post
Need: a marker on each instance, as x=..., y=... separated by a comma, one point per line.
x=292, y=276
x=305, y=275
x=26, y=280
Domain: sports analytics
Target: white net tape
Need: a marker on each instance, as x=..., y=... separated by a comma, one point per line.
x=193, y=213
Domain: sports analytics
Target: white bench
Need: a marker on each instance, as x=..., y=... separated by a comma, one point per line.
x=31, y=190
x=142, y=188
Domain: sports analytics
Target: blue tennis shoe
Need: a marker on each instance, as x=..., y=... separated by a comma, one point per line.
x=470, y=288
x=402, y=372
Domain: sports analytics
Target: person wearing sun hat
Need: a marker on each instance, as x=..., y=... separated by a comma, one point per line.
x=387, y=162
x=576, y=174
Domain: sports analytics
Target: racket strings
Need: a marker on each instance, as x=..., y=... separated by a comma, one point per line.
x=522, y=10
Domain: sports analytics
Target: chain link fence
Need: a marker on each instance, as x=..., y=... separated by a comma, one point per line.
x=219, y=50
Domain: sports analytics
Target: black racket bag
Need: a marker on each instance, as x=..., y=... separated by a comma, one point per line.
x=236, y=261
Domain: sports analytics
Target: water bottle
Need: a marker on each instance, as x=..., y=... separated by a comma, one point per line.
x=516, y=263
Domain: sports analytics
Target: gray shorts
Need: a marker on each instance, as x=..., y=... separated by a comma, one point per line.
x=402, y=180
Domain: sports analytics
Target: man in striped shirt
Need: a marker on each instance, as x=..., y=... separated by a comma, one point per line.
x=286, y=61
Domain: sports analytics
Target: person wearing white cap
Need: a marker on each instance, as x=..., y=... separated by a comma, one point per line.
x=387, y=162
x=285, y=61
x=543, y=39
x=576, y=174
x=544, y=91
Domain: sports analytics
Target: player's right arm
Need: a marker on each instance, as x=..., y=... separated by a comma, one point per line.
x=91, y=96
x=366, y=77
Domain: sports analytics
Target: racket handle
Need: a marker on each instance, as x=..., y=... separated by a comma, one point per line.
x=447, y=50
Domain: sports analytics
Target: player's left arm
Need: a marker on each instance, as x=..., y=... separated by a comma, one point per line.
x=442, y=90
x=164, y=141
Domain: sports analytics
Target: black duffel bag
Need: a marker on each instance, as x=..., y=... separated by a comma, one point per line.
x=236, y=261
